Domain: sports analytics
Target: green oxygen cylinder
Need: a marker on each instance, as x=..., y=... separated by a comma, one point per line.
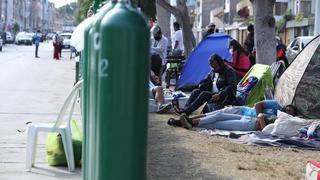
x=94, y=36
x=85, y=58
x=122, y=91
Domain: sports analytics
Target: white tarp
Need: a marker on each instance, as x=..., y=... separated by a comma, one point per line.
x=77, y=38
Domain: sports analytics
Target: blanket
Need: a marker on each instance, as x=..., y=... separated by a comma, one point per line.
x=269, y=140
x=219, y=132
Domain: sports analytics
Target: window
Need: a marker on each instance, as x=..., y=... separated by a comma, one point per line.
x=280, y=8
x=293, y=43
x=305, y=8
x=191, y=2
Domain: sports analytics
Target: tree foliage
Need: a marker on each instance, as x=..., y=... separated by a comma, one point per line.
x=148, y=7
x=83, y=7
x=68, y=8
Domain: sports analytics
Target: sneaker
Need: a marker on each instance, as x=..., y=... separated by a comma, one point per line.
x=163, y=108
x=186, y=122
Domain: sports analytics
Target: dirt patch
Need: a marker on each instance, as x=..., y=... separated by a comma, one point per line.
x=176, y=153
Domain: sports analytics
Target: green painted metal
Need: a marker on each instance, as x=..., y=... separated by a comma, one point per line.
x=122, y=95
x=85, y=99
x=93, y=36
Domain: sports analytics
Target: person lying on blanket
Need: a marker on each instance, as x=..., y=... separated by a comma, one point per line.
x=236, y=118
x=156, y=92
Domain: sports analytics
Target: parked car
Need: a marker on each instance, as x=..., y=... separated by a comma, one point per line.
x=296, y=46
x=3, y=36
x=9, y=37
x=66, y=40
x=50, y=35
x=23, y=38
x=1, y=44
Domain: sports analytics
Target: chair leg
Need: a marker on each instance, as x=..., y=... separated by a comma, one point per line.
x=31, y=147
x=168, y=78
x=176, y=75
x=68, y=148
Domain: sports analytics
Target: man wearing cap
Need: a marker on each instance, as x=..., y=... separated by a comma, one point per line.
x=159, y=44
x=210, y=30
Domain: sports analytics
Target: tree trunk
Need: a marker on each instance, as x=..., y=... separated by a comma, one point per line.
x=0, y=15
x=163, y=20
x=182, y=16
x=264, y=31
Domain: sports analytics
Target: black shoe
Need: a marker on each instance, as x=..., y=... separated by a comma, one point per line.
x=37, y=57
x=186, y=122
x=174, y=122
x=234, y=135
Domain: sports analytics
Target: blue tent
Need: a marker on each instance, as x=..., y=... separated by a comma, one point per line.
x=197, y=65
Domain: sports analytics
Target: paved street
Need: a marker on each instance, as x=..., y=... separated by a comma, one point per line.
x=31, y=90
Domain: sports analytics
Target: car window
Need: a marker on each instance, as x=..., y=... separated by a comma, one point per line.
x=66, y=36
x=297, y=43
x=293, y=43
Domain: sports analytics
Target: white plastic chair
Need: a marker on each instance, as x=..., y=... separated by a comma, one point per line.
x=59, y=127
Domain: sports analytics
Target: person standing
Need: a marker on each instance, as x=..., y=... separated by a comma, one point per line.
x=55, y=47
x=36, y=40
x=210, y=30
x=178, y=40
x=159, y=45
x=249, y=42
x=60, y=38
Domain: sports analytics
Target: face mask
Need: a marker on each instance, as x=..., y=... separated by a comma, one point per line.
x=157, y=38
x=231, y=51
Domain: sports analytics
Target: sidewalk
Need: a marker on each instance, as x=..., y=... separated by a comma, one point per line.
x=31, y=90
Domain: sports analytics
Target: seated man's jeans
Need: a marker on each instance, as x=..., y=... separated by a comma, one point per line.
x=196, y=99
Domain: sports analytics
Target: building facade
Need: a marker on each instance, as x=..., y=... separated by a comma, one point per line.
x=29, y=15
x=301, y=23
x=207, y=11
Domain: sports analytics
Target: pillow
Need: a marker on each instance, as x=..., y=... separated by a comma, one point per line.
x=287, y=125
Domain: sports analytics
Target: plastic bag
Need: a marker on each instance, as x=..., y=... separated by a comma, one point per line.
x=287, y=125
x=54, y=148
x=312, y=170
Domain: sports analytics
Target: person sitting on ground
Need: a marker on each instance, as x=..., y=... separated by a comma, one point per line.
x=156, y=92
x=219, y=87
x=237, y=118
x=240, y=60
